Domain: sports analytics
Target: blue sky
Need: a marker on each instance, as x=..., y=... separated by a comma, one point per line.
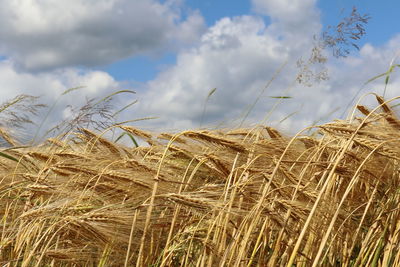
x=173, y=52
x=380, y=29
x=384, y=18
x=144, y=68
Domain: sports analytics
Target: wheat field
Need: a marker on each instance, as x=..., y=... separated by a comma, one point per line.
x=229, y=197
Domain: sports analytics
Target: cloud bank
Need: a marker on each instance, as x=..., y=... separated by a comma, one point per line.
x=239, y=55
x=45, y=50
x=43, y=35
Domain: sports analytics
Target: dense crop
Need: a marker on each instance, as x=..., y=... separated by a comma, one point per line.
x=242, y=197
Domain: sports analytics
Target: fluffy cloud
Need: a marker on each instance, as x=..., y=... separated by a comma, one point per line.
x=294, y=19
x=49, y=86
x=238, y=56
x=42, y=35
x=287, y=10
x=231, y=57
x=52, y=84
x=350, y=75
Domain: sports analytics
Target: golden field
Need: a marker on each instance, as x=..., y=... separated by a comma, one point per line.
x=232, y=197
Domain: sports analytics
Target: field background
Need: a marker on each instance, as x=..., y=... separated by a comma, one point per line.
x=239, y=197
x=172, y=133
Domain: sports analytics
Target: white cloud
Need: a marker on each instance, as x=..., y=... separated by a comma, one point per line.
x=286, y=10
x=42, y=35
x=294, y=19
x=231, y=57
x=239, y=55
x=50, y=85
x=349, y=75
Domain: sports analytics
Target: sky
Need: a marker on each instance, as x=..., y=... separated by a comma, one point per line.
x=172, y=53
